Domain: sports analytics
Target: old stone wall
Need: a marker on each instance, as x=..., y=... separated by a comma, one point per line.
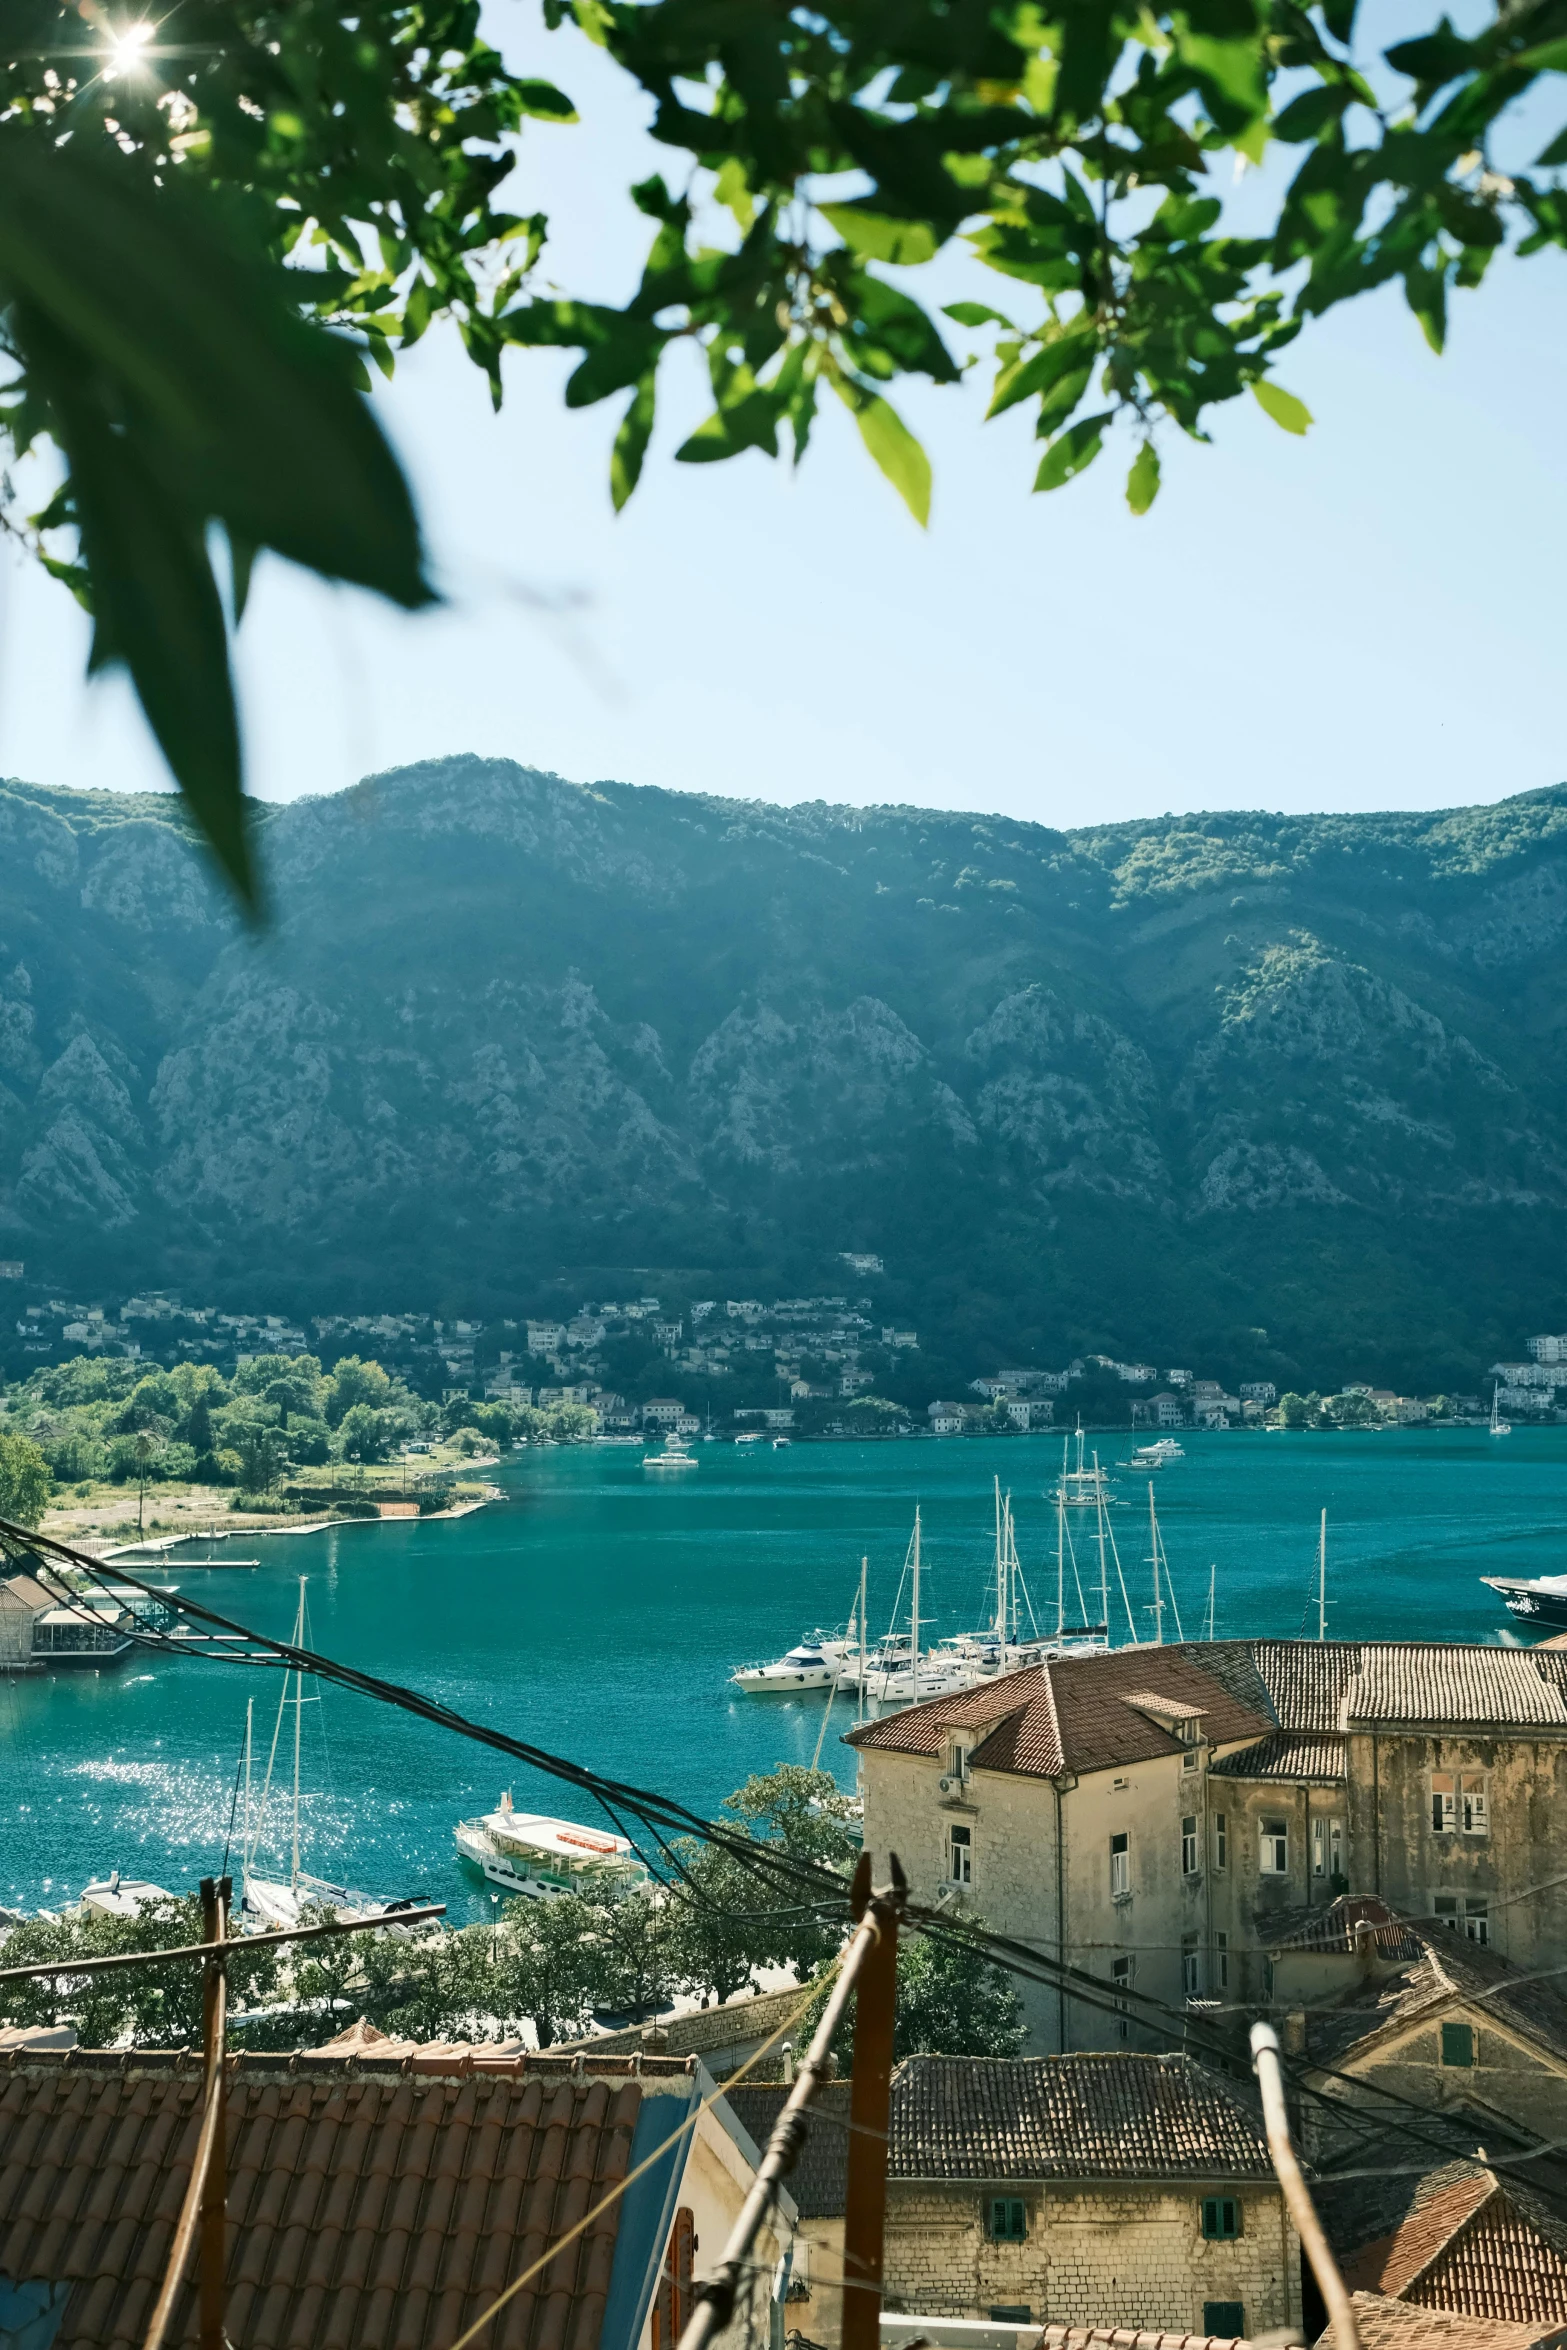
x=1112, y=2254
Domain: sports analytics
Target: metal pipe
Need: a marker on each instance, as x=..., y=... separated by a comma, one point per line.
x=870, y=2098
x=1275, y=2117
x=718, y=2293
x=194, y=2207
x=245, y=1942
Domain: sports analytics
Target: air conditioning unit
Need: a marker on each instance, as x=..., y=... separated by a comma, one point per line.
x=946, y=1785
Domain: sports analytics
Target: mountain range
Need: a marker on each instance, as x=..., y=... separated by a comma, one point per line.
x=1276, y=1094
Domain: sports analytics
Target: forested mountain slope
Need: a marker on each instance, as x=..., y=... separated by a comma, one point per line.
x=1269, y=1090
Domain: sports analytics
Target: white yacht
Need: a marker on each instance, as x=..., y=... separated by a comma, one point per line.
x=1499, y=1426
x=116, y=1896
x=676, y=1454
x=527, y=1853
x=817, y=1663
x=1158, y=1455
x=1085, y=1487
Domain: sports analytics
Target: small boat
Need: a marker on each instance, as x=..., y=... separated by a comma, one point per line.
x=1154, y=1456
x=814, y=1664
x=527, y=1853
x=677, y=1454
x=1082, y=1488
x=1540, y=1601
x=781, y=1443
x=1499, y=1426
x=116, y=1896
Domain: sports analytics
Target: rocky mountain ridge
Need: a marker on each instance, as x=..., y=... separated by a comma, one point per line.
x=1159, y=1086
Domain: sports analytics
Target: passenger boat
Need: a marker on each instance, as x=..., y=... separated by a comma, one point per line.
x=1542, y=1601
x=525, y=1852
x=676, y=1454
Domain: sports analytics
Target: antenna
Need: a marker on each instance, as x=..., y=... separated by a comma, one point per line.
x=1322, y=1579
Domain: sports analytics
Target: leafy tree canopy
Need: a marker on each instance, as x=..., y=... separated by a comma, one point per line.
x=156, y=178
x=26, y=1480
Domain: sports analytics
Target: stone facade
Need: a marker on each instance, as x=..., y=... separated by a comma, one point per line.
x=1112, y=2253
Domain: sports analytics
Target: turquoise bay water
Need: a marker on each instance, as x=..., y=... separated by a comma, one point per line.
x=598, y=1612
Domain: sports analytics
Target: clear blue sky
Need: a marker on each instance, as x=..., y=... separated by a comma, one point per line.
x=1370, y=618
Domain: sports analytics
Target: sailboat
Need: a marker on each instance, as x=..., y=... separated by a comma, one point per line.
x=1082, y=1488
x=1499, y=1426
x=268, y=1901
x=908, y=1677
x=1159, y=1562
x=1002, y=1646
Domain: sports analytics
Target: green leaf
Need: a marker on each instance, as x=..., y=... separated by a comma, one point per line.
x=875, y=236
x=1072, y=451
x=1554, y=154
x=636, y=430
x=543, y=101
x=254, y=411
x=155, y=601
x=1549, y=57
x=733, y=192
x=1425, y=290
x=1286, y=411
x=977, y=314
x=242, y=563
x=1313, y=112
x=1070, y=351
x=893, y=446
x=1142, y=483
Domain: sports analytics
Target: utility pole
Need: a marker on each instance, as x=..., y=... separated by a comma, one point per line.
x=216, y=1895
x=870, y=2107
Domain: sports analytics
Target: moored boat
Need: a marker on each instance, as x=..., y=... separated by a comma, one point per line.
x=1541, y=1600
x=676, y=1454
x=535, y=1856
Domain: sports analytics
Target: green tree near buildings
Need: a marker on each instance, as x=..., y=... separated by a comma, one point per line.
x=155, y=2007
x=355, y=1383
x=26, y=1480
x=362, y=1434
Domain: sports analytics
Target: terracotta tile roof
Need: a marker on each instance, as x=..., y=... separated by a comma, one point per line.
x=1306, y=1679
x=1429, y=1682
x=1075, y=1714
x=1290, y=1700
x=1129, y=2338
x=1286, y=1754
x=1396, y=2325
x=1335, y=1927
x=373, y=2197
x=1453, y=1976
x=819, y=2179
x=1073, y=2117
x=1468, y=2241
x=27, y=1591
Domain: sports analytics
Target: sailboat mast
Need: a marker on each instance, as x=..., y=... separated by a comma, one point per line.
x=1322, y=1579
x=860, y=1710
x=299, y=1702
x=1001, y=1570
x=1212, y=1572
x=1060, y=1564
x=1104, y=1574
x=1153, y=1550
x=244, y=1847
x=914, y=1646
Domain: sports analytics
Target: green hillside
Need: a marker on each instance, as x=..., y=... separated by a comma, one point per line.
x=1281, y=1094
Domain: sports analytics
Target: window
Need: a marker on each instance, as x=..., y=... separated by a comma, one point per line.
x=1006, y=2219
x=957, y=1762
x=1225, y=2319
x=1459, y=1801
x=1477, y=1920
x=1327, y=1847
x=960, y=1855
x=1120, y=1867
x=1221, y=1840
x=1221, y=2218
x=1275, y=1848
x=1458, y=2044
x=672, y=2303
x=1191, y=1966
x=1189, y=1845
x=1221, y=1953
x=1444, y=1908
x=1011, y=2313
x=1121, y=1977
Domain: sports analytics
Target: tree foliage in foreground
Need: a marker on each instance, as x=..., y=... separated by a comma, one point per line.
x=155, y=178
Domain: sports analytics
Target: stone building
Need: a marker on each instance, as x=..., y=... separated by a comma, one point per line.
x=1115, y=2189
x=1152, y=1814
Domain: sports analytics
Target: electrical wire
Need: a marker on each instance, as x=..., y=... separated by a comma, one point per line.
x=658, y=1812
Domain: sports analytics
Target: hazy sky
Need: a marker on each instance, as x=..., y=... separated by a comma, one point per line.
x=1370, y=618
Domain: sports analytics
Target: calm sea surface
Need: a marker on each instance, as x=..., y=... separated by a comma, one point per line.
x=598, y=1612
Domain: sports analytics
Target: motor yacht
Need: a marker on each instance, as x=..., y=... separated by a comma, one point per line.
x=537, y=1857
